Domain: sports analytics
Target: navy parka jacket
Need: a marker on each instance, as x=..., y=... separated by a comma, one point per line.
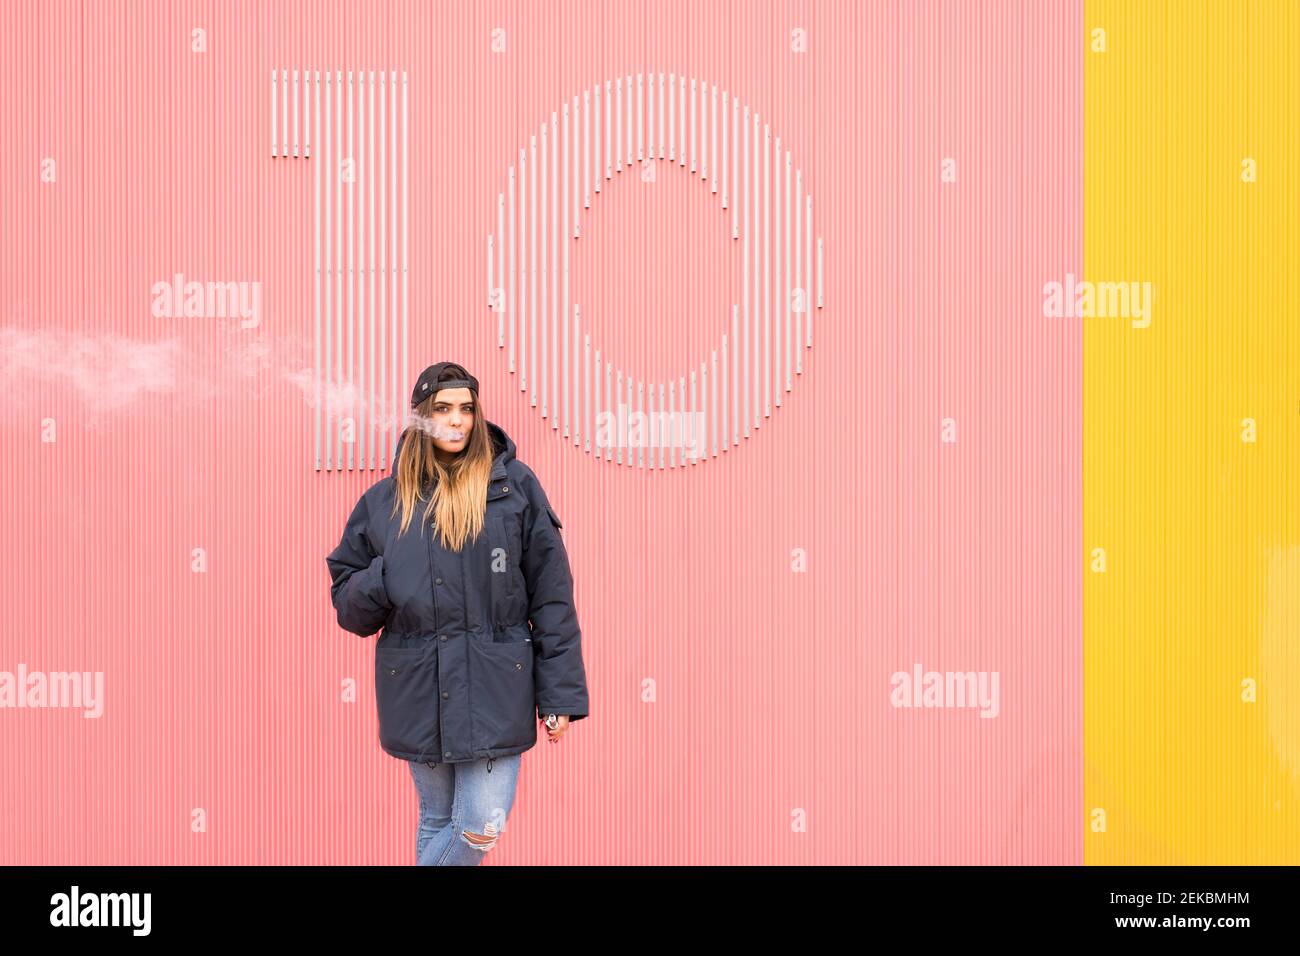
x=474, y=642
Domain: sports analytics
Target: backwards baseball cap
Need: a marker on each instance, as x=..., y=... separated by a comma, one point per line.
x=428, y=383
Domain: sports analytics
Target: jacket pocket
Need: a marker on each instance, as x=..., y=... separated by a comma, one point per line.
x=507, y=592
x=501, y=693
x=406, y=694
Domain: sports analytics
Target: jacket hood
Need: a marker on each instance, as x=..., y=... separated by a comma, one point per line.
x=503, y=449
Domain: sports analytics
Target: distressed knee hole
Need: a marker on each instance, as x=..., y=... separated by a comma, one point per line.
x=482, y=841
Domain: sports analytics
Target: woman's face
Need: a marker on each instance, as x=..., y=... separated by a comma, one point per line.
x=451, y=419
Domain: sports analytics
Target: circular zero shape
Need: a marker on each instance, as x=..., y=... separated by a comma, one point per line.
x=656, y=119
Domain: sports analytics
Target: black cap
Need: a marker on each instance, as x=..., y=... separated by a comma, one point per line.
x=428, y=383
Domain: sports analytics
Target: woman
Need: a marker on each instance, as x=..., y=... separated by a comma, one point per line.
x=475, y=597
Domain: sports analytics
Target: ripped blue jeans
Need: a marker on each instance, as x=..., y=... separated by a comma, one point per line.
x=463, y=808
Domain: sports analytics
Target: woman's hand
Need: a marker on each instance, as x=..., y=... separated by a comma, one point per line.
x=561, y=725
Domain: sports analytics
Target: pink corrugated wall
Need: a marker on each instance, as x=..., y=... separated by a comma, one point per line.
x=770, y=737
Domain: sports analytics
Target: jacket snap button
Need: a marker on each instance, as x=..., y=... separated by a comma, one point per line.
x=518, y=666
x=392, y=672
x=437, y=580
x=442, y=637
x=444, y=695
x=505, y=488
x=446, y=753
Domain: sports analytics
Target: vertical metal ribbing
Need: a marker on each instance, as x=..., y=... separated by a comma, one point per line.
x=533, y=304
x=663, y=112
x=544, y=255
x=383, y=172
x=695, y=121
x=722, y=157
x=808, y=239
x=767, y=277
x=609, y=125
x=315, y=105
x=648, y=447
x=778, y=272
x=706, y=407
x=694, y=418
x=275, y=129
x=598, y=395
x=821, y=299
x=294, y=98
x=767, y=270
x=618, y=125
x=789, y=278
x=388, y=432
x=686, y=414
x=327, y=196
x=799, y=280
x=751, y=354
x=609, y=403
x=586, y=393
x=568, y=382
x=672, y=439
x=741, y=345
x=573, y=164
x=309, y=92
x=358, y=272
x=339, y=305
x=713, y=141
x=735, y=167
x=586, y=149
x=508, y=268
x=671, y=103
x=598, y=127
x=650, y=116
x=562, y=316
x=681, y=120
x=498, y=283
x=375, y=394
x=406, y=238
x=339, y=265
x=349, y=193
x=554, y=317
x=732, y=397
x=618, y=397
x=654, y=414
x=284, y=113
x=640, y=118
x=704, y=131
x=715, y=409
x=399, y=373
x=523, y=246
x=587, y=424
x=576, y=391
x=385, y=237
x=575, y=168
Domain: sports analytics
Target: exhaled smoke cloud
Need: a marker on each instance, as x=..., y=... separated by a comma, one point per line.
x=106, y=370
x=112, y=373
x=433, y=428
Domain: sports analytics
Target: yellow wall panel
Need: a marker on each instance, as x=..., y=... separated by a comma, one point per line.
x=1184, y=104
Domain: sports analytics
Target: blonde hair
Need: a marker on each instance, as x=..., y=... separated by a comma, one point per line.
x=459, y=490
